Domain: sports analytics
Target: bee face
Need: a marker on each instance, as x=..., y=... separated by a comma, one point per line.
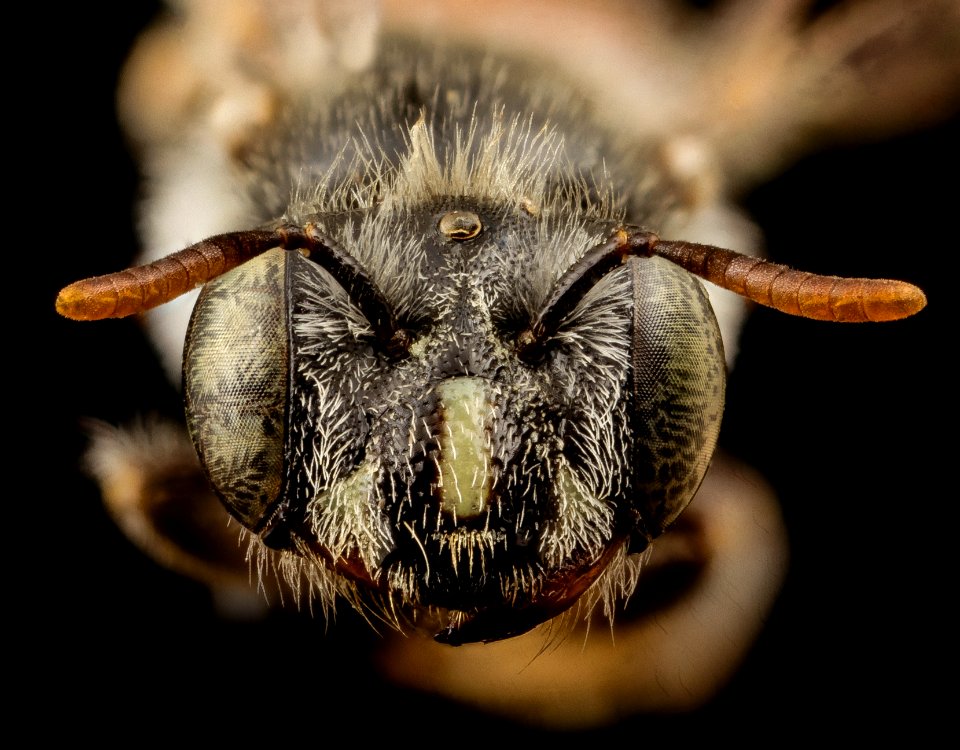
x=456, y=475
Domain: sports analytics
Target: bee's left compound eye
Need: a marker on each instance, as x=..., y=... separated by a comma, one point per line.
x=678, y=378
x=674, y=374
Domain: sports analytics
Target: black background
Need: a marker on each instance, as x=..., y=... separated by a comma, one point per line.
x=852, y=425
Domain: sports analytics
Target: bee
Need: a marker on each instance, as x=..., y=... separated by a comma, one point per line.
x=448, y=371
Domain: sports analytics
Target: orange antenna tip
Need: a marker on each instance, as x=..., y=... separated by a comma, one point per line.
x=893, y=300
x=87, y=300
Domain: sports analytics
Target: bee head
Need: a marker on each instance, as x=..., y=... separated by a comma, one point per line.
x=452, y=411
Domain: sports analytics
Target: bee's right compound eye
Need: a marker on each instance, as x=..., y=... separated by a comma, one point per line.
x=235, y=374
x=237, y=367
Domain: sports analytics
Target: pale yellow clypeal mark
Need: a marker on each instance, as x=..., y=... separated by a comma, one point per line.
x=464, y=449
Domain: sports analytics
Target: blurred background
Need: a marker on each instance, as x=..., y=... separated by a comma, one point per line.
x=846, y=422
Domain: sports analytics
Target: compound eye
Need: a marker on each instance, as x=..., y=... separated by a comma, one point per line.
x=235, y=373
x=678, y=380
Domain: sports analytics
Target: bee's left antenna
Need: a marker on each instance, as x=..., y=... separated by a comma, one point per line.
x=831, y=298
x=836, y=299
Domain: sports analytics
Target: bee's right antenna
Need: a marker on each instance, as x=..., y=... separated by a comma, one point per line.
x=140, y=288
x=137, y=289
